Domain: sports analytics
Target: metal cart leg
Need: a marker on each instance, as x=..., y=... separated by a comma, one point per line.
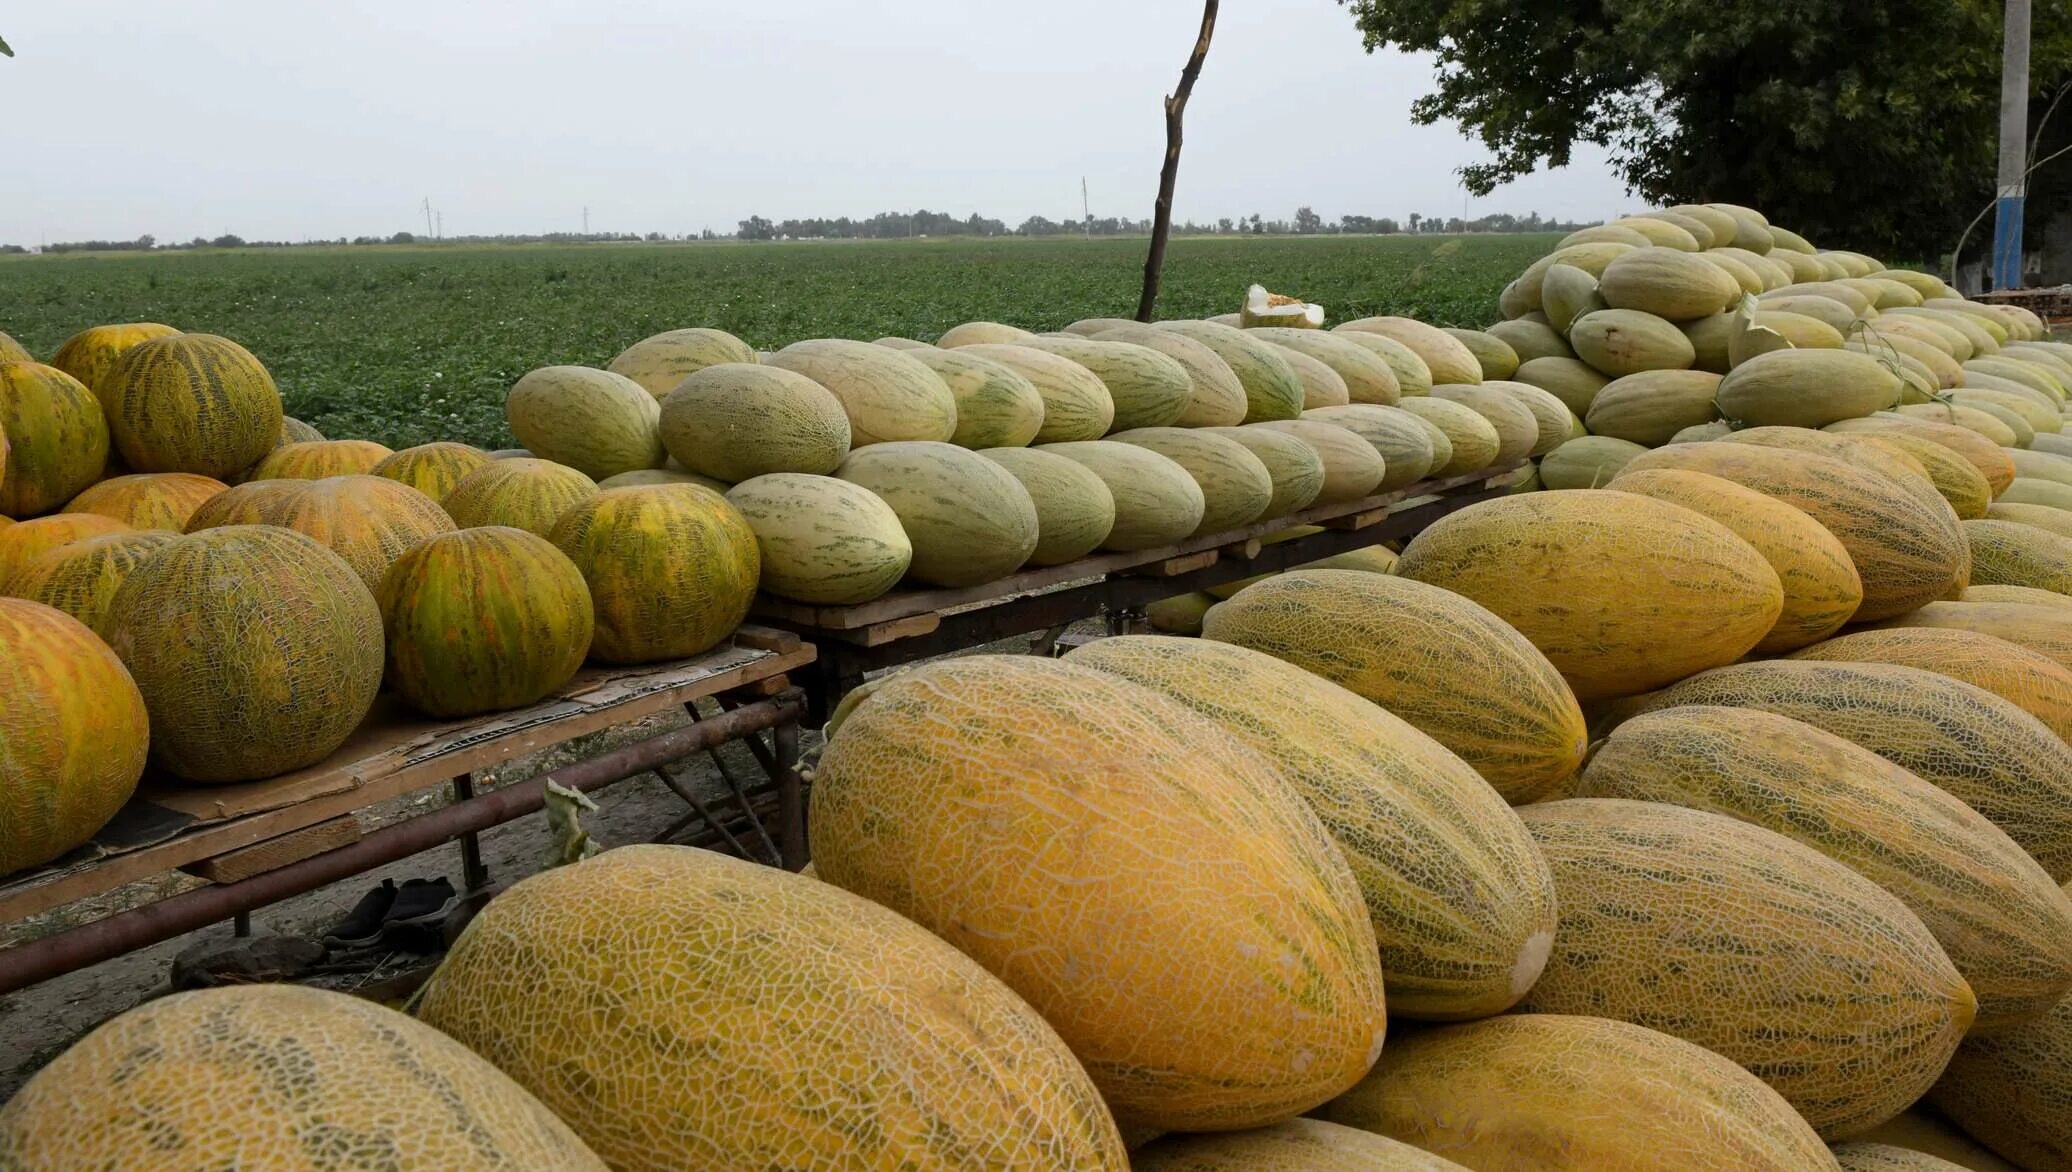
x=474, y=873
x=791, y=797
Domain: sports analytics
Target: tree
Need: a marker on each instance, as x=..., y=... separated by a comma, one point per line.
x=1169, y=171
x=756, y=228
x=1307, y=221
x=1258, y=225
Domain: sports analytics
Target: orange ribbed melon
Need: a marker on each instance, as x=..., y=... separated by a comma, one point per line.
x=191, y=403
x=367, y=520
x=81, y=577
x=241, y=504
x=1149, y=883
x=149, y=500
x=23, y=541
x=521, y=492
x=57, y=438
x=671, y=568
x=317, y=459
x=1299, y=1145
x=432, y=469
x=727, y=1015
x=2040, y=685
x=92, y=352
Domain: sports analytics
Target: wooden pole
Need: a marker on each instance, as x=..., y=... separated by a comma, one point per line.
x=1162, y=214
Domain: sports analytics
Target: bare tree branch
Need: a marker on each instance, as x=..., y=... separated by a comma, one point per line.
x=1162, y=215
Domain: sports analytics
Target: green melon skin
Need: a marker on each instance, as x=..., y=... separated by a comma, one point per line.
x=969, y=519
x=594, y=421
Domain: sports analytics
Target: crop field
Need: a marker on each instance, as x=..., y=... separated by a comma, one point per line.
x=404, y=345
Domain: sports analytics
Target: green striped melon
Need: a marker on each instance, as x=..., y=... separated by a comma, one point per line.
x=1492, y=354
x=1462, y=905
x=997, y=407
x=92, y=352
x=1091, y=327
x=1984, y=423
x=2012, y=1090
x=661, y=362
x=520, y=492
x=1517, y=428
x=1298, y=1145
x=1738, y=939
x=1444, y=664
x=81, y=577
x=1227, y=978
x=889, y=395
x=733, y=421
x=1651, y=407
x=1444, y=355
x=969, y=519
x=980, y=333
x=191, y=403
x=1215, y=396
x=1821, y=586
x=1806, y=388
x=649, y=1030
x=21, y=542
x=317, y=459
x=1552, y=419
x=1669, y=283
x=2009, y=553
x=1550, y=1091
x=2004, y=923
x=2028, y=490
x=1075, y=511
x=1413, y=377
x=1076, y=403
x=1404, y=442
x=148, y=500
x=240, y=504
x=1236, y=486
x=1985, y=750
x=1368, y=378
x=1272, y=388
x=1589, y=461
x=1352, y=468
x=432, y=469
x=1622, y=592
x=57, y=438
x=75, y=732
x=2033, y=681
x=1472, y=442
x=1148, y=388
x=1295, y=469
x=672, y=569
x=822, y=540
x=1530, y=340
x=258, y=651
x=1157, y=502
x=594, y=421
x=2045, y=517
x=1620, y=342
x=1321, y=385
x=367, y=520
x=480, y=620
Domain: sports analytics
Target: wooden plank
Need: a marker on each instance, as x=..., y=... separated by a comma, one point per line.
x=1244, y=550
x=275, y=853
x=906, y=628
x=1175, y=566
x=1358, y=520
x=766, y=639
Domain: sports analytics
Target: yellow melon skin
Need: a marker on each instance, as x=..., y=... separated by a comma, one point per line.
x=1622, y=592
x=191, y=403
x=2009, y=553
x=2040, y=685
x=148, y=500
x=1299, y=1145
x=57, y=438
x=2005, y=925
x=80, y=578
x=2045, y=629
x=92, y=352
x=370, y=521
x=432, y=469
x=671, y=568
x=682, y=1009
x=268, y=1078
x=318, y=459
x=1145, y=880
x=2022, y=595
x=1919, y=1129
x=1863, y=1157
x=523, y=493
x=1445, y=665
x=23, y=542
x=2012, y=1091
x=1551, y=1092
x=1740, y=940
x=1462, y=904
x=1985, y=456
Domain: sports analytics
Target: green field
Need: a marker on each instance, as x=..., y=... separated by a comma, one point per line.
x=405, y=345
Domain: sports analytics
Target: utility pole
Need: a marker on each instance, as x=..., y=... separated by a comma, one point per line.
x=440, y=234
x=2014, y=133
x=428, y=215
x=586, y=219
x=1086, y=208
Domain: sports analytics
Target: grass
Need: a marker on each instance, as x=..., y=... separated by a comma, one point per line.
x=407, y=345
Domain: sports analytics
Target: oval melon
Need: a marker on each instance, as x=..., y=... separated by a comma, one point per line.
x=191, y=403
x=1589, y=461
x=81, y=577
x=1075, y=511
x=317, y=459
x=659, y=363
x=822, y=540
x=1473, y=443
x=946, y=795
x=1569, y=293
x=148, y=500
x=1591, y=257
x=1321, y=385
x=2022, y=622
x=367, y=520
x=1157, y=502
x=643, y=476
x=1626, y=341
x=1272, y=388
x=2009, y=553
x=2029, y=490
x=1517, y=427
x=2025, y=595
x=2032, y=680
x=1353, y=468
x=969, y=519
x=594, y=421
x=57, y=438
x=1215, y=396
x=1181, y=614
x=1367, y=376
x=1806, y=388
x=1298, y=1145
x=433, y=469
x=889, y=395
x=1492, y=354
x=520, y=492
x=1651, y=407
x=92, y=352
x=980, y=333
x=1986, y=458
x=1413, y=377
x=1442, y=663
x=1570, y=380
x=1942, y=370
x=672, y=569
x=1672, y=284
x=1403, y=441
x=1984, y=423
x=1236, y=486
x=996, y=406
x=1148, y=388
x=1076, y=403
x=21, y=542
x=1552, y=419
x=734, y=421
x=1530, y=340
x=2040, y=465
x=2013, y=1090
x=2029, y=407
x=2045, y=517
x=1712, y=340
x=1295, y=468
x=1448, y=359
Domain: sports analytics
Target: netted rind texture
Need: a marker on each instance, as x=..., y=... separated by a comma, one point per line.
x=682, y=1009
x=822, y=540
x=2012, y=1090
x=1236, y=486
x=149, y=500
x=2044, y=629
x=1863, y=1157
x=241, y=504
x=22, y=542
x=92, y=352
x=1075, y=511
x=432, y=469
x=265, y=1077
x=367, y=520
x=887, y=395
x=80, y=578
x=672, y=569
x=736, y=421
x=318, y=459
x=521, y=492
x=191, y=403
x=57, y=438
x=2038, y=684
x=2008, y=553
x=1299, y=1145
x=594, y=421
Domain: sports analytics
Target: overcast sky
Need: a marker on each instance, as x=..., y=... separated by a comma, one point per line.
x=292, y=119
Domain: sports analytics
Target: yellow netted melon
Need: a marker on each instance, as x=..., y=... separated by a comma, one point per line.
x=2009, y=553
x=81, y=577
x=1462, y=906
x=650, y=1031
x=21, y=542
x=1472, y=441
x=2030, y=679
x=1076, y=404
x=1237, y=488
x=996, y=405
x=661, y=362
x=2025, y=595
x=1448, y=359
x=1921, y=1130
x=148, y=500
x=521, y=492
x=1353, y=468
x=75, y=733
x=734, y=421
x=969, y=519
x=2004, y=923
x=367, y=520
x=887, y=394
x=1821, y=587
x=672, y=569
x=1668, y=914
x=597, y=422
x=257, y=650
x=1367, y=376
x=1227, y=978
x=1405, y=443
x=1955, y=478
x=1517, y=427
x=1442, y=663
x=2012, y=1090
x=317, y=459
x=1577, y=1094
x=1216, y=397
x=1156, y=501
x=276, y=1076
x=1620, y=342
x=644, y=476
x=1670, y=283
x=91, y=353
x=1650, y=407
x=823, y=540
x=191, y=403
x=57, y=438
x=1875, y=1157
x=1986, y=424
x=242, y=504
x=432, y=469
x=1492, y=354
x=980, y=333
x=1298, y=1145
x=1621, y=592
x=1987, y=751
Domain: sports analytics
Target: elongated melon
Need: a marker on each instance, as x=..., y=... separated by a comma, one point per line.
x=1298, y=1145
x=981, y=333
x=969, y=519
x=1806, y=388
x=1445, y=356
x=1353, y=468
x=1236, y=487
x=597, y=422
x=661, y=362
x=2031, y=680
x=1367, y=376
x=1413, y=377
x=822, y=540
x=1472, y=441
x=1215, y=398
x=2044, y=629
x=1530, y=340
x=1149, y=389
x=1590, y=461
x=734, y=421
x=1517, y=427
x=2009, y=553
x=1075, y=511
x=2013, y=1090
x=1921, y=1130
x=1650, y=407
x=1987, y=458
x=1076, y=403
x=997, y=407
x=1293, y=467
x=1403, y=441
x=889, y=395
x=2054, y=520
x=1272, y=388
x=1956, y=478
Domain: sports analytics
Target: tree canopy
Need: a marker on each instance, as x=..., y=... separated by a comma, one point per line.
x=1868, y=124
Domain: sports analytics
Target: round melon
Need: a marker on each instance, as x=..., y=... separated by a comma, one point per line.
x=1298, y=1145
x=1368, y=378
x=277, y=1076
x=367, y=520
x=1215, y=396
x=1821, y=587
x=1445, y=356
x=1075, y=511
x=317, y=459
x=294, y=431
x=1157, y=503
x=1672, y=284
x=19, y=543
x=594, y=421
x=653, y=1029
x=736, y=421
x=1589, y=461
x=888, y=395
x=191, y=403
x=523, y=493
x=644, y=476
x=480, y=620
x=1405, y=442
x=57, y=438
x=1619, y=342
x=671, y=568
x=1623, y=593
x=1558, y=1093
x=661, y=362
x=970, y=520
x=81, y=577
x=1651, y=407
x=980, y=333
x=2013, y=1090
x=1517, y=427
x=1413, y=377
x=997, y=407
x=75, y=732
x=92, y=352
x=258, y=651
x=432, y=469
x=1076, y=403
x=242, y=504
x=1857, y=1009
x=1013, y=863
x=822, y=540
x=1352, y=468
x=2009, y=553
x=148, y=500
x=1462, y=905
x=1445, y=665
